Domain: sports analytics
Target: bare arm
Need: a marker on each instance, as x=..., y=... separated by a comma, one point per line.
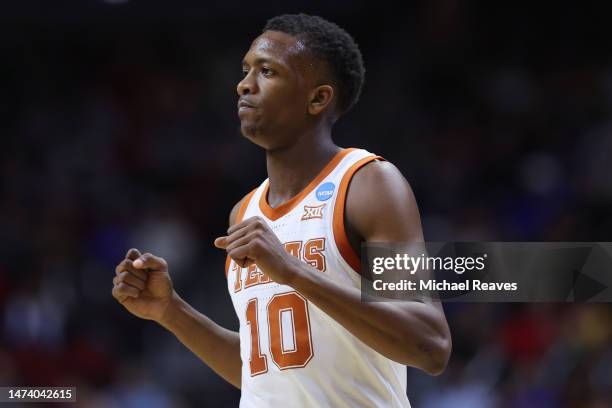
x=411, y=333
x=143, y=286
x=216, y=346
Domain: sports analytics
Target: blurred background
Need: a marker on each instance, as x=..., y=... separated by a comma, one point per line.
x=119, y=129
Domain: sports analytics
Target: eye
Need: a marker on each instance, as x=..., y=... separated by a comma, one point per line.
x=266, y=71
x=245, y=72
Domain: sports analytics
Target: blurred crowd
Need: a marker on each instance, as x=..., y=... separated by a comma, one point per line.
x=122, y=132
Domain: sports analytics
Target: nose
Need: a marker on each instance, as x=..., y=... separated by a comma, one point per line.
x=246, y=85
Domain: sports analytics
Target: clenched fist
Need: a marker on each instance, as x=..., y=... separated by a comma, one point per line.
x=252, y=241
x=142, y=285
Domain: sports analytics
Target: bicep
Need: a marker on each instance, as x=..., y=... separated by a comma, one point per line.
x=381, y=207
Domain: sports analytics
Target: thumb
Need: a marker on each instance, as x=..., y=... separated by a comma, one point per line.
x=150, y=261
x=221, y=242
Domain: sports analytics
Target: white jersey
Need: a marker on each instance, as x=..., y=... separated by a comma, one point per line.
x=294, y=354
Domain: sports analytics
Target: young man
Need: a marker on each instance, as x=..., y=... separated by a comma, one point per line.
x=293, y=244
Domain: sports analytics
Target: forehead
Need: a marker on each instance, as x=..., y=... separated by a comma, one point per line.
x=278, y=47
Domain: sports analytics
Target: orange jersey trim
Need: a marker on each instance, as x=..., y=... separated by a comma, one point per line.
x=275, y=213
x=342, y=242
x=239, y=216
x=228, y=261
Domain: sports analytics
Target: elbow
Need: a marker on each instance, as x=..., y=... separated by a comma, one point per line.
x=434, y=355
x=437, y=359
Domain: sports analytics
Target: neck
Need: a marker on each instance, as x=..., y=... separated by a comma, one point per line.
x=291, y=168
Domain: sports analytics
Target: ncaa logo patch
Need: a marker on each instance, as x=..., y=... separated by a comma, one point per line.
x=325, y=191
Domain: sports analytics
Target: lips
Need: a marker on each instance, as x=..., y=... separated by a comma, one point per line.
x=243, y=104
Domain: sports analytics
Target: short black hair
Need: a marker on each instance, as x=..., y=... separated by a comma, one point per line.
x=333, y=45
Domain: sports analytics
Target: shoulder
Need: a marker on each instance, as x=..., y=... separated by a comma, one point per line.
x=375, y=172
x=380, y=204
x=240, y=207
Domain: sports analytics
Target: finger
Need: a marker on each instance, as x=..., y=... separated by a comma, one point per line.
x=118, y=281
x=254, y=225
x=244, y=262
x=131, y=280
x=238, y=226
x=248, y=223
x=240, y=232
x=132, y=254
x=245, y=239
x=118, y=296
x=126, y=265
x=127, y=289
x=247, y=262
x=150, y=261
x=138, y=274
x=221, y=242
x=123, y=290
x=241, y=253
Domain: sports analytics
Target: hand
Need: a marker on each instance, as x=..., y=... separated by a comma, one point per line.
x=143, y=286
x=252, y=241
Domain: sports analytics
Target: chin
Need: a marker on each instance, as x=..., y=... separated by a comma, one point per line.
x=253, y=134
x=250, y=132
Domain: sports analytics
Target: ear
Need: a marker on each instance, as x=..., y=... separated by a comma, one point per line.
x=320, y=98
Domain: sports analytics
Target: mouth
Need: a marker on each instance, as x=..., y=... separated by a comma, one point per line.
x=244, y=106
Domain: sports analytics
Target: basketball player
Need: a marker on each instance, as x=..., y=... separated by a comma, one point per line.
x=293, y=244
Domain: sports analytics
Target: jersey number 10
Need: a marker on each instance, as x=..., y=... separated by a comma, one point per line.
x=290, y=308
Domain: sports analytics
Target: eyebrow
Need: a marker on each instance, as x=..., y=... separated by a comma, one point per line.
x=262, y=60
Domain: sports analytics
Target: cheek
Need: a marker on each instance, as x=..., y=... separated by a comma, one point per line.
x=284, y=96
x=290, y=106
